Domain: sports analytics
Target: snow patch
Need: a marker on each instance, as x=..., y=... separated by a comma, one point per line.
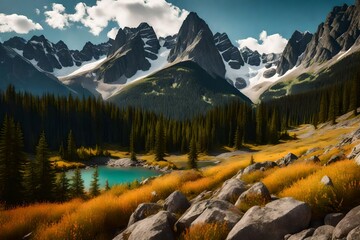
x=207, y=100
x=85, y=66
x=343, y=54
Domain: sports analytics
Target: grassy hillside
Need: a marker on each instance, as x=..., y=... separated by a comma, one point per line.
x=179, y=91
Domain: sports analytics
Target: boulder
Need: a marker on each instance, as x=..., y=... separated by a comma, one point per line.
x=288, y=159
x=176, y=203
x=354, y=234
x=302, y=235
x=333, y=219
x=202, y=196
x=326, y=180
x=313, y=159
x=312, y=150
x=355, y=152
x=257, y=166
x=334, y=159
x=323, y=233
x=156, y=227
x=258, y=193
x=144, y=210
x=348, y=223
x=207, y=211
x=274, y=221
x=269, y=73
x=219, y=212
x=231, y=190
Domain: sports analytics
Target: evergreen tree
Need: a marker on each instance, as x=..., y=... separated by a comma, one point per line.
x=45, y=174
x=71, y=147
x=332, y=108
x=62, y=187
x=238, y=138
x=77, y=184
x=160, y=141
x=31, y=181
x=94, y=185
x=132, y=145
x=107, y=186
x=274, y=128
x=323, y=108
x=192, y=155
x=12, y=163
x=62, y=151
x=354, y=96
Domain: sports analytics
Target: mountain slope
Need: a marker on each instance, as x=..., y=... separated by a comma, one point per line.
x=195, y=42
x=20, y=73
x=179, y=91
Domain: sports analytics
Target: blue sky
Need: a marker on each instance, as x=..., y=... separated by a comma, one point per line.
x=92, y=21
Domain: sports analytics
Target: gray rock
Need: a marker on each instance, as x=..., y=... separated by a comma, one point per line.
x=274, y=221
x=348, y=223
x=144, y=210
x=156, y=227
x=257, y=192
x=257, y=166
x=269, y=73
x=354, y=234
x=230, y=53
x=355, y=152
x=231, y=190
x=302, y=235
x=323, y=233
x=313, y=159
x=202, y=196
x=312, y=150
x=334, y=159
x=176, y=203
x=212, y=209
x=326, y=181
x=123, y=162
x=240, y=83
x=333, y=219
x=219, y=212
x=288, y=159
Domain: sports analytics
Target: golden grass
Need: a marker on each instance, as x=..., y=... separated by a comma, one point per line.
x=208, y=231
x=256, y=176
x=62, y=164
x=285, y=177
x=343, y=196
x=16, y=223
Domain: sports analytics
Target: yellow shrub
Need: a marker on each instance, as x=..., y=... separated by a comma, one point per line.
x=207, y=231
x=342, y=196
x=284, y=177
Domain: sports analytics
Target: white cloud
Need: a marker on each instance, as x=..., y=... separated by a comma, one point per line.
x=37, y=11
x=57, y=18
x=266, y=44
x=45, y=7
x=112, y=33
x=17, y=23
x=164, y=17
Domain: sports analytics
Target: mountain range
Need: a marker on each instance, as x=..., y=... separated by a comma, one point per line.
x=194, y=67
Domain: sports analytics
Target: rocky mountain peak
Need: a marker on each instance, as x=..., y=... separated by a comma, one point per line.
x=229, y=52
x=15, y=42
x=195, y=42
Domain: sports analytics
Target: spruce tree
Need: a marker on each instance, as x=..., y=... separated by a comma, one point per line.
x=107, y=186
x=45, y=174
x=62, y=187
x=62, y=153
x=94, y=185
x=30, y=181
x=238, y=138
x=132, y=145
x=12, y=163
x=77, y=184
x=71, y=147
x=160, y=141
x=274, y=128
x=192, y=155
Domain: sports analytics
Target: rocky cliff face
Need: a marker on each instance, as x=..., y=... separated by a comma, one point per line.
x=49, y=56
x=339, y=32
x=229, y=52
x=195, y=42
x=294, y=48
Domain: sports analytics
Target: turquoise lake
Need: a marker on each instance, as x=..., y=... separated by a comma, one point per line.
x=114, y=175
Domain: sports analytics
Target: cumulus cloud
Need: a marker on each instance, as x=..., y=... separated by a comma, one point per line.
x=265, y=44
x=37, y=11
x=17, y=23
x=164, y=17
x=112, y=33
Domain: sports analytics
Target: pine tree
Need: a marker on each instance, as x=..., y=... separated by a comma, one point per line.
x=323, y=108
x=159, y=141
x=132, y=145
x=238, y=138
x=107, y=186
x=354, y=96
x=62, y=187
x=94, y=185
x=332, y=108
x=12, y=163
x=274, y=128
x=30, y=181
x=192, y=155
x=62, y=151
x=77, y=184
x=45, y=174
x=71, y=147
